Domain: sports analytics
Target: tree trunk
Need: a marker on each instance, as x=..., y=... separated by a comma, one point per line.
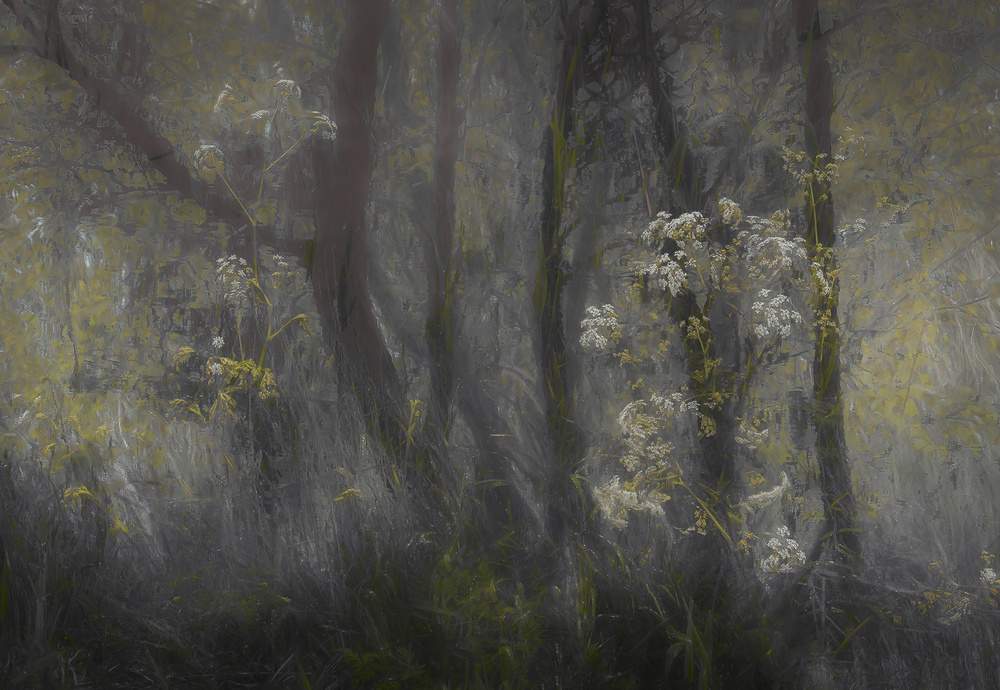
x=565, y=504
x=685, y=195
x=340, y=268
x=440, y=274
x=840, y=513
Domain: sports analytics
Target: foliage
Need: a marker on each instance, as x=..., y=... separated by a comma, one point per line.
x=193, y=492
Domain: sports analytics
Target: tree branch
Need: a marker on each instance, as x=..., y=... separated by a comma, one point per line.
x=139, y=135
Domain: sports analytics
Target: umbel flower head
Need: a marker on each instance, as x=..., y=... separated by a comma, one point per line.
x=319, y=125
x=784, y=554
x=235, y=275
x=226, y=103
x=687, y=230
x=209, y=161
x=773, y=316
x=286, y=90
x=600, y=328
x=730, y=211
x=616, y=501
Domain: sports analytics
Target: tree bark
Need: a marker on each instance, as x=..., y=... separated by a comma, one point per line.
x=565, y=509
x=340, y=267
x=840, y=512
x=440, y=273
x=685, y=195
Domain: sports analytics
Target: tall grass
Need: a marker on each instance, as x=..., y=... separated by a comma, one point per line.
x=204, y=573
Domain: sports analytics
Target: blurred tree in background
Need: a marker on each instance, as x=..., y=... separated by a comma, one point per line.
x=597, y=343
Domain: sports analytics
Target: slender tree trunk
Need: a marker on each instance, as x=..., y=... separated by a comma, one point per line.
x=705, y=380
x=340, y=269
x=440, y=273
x=840, y=513
x=565, y=504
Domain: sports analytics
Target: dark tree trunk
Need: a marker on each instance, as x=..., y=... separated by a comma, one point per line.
x=566, y=504
x=685, y=195
x=840, y=512
x=340, y=268
x=440, y=273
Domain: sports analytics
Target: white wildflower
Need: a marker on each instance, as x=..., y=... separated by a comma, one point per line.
x=218, y=341
x=319, y=125
x=819, y=276
x=611, y=500
x=215, y=368
x=286, y=89
x=667, y=272
x=717, y=265
x=773, y=316
x=234, y=276
x=785, y=554
x=768, y=249
x=600, y=328
x=988, y=575
x=672, y=404
x=615, y=501
x=209, y=161
x=687, y=229
x=226, y=102
x=730, y=211
x=653, y=508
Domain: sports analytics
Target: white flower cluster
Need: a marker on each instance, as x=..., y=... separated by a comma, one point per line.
x=673, y=404
x=319, y=125
x=600, y=328
x=667, y=272
x=235, y=276
x=819, y=275
x=784, y=555
x=773, y=316
x=644, y=447
x=209, y=161
x=225, y=102
x=669, y=269
x=218, y=341
x=717, y=269
x=215, y=368
x=615, y=502
x=768, y=251
x=730, y=211
x=687, y=229
x=637, y=429
x=989, y=576
x=286, y=89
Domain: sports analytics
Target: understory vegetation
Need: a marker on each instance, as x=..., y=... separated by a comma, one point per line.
x=584, y=344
